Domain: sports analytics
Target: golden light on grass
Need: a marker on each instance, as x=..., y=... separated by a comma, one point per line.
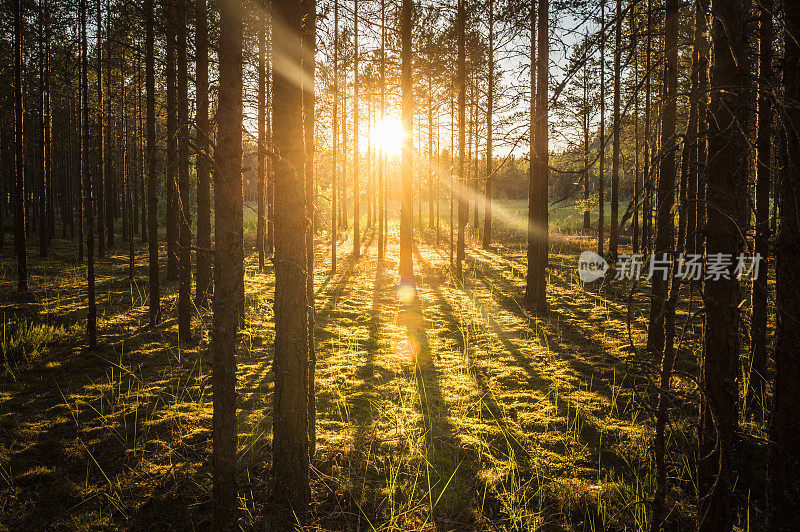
x=406, y=349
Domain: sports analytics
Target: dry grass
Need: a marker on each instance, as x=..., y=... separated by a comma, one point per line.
x=505, y=421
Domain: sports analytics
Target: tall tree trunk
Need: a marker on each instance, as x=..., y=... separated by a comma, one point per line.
x=646, y=178
x=613, y=240
x=261, y=155
x=88, y=210
x=356, y=184
x=665, y=199
x=152, y=176
x=127, y=190
x=203, y=158
x=20, y=243
x=461, y=80
x=538, y=241
x=44, y=130
x=382, y=153
x=100, y=181
x=726, y=205
x=757, y=384
x=587, y=220
x=228, y=254
x=309, y=45
x=407, y=157
x=335, y=134
x=184, y=212
x=172, y=217
x=487, y=210
x=783, y=484
x=659, y=306
x=140, y=143
x=601, y=187
x=637, y=188
x=290, y=458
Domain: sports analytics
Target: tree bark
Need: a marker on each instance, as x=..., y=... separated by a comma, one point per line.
x=20, y=243
x=538, y=241
x=726, y=205
x=356, y=184
x=462, y=90
x=88, y=210
x=152, y=185
x=783, y=483
x=203, y=278
x=227, y=261
x=613, y=240
x=487, y=210
x=261, y=209
x=407, y=157
x=308, y=45
x=601, y=187
x=101, y=144
x=172, y=217
x=335, y=134
x=757, y=383
x=290, y=461
x=665, y=198
x=184, y=212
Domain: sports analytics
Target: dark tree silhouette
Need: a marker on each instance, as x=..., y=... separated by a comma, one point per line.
x=726, y=205
x=290, y=447
x=227, y=262
x=783, y=482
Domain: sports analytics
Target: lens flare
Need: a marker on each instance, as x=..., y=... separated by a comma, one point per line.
x=406, y=349
x=406, y=293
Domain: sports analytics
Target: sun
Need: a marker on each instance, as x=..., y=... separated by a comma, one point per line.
x=387, y=134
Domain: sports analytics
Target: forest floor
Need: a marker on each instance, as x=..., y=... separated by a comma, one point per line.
x=458, y=411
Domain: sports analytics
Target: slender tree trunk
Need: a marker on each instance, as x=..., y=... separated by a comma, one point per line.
x=88, y=210
x=127, y=190
x=407, y=157
x=783, y=485
x=262, y=146
x=228, y=254
x=356, y=184
x=20, y=243
x=430, y=176
x=487, y=210
x=290, y=461
x=587, y=220
x=382, y=153
x=101, y=142
x=646, y=178
x=637, y=188
x=172, y=217
x=152, y=185
x=613, y=241
x=461, y=80
x=44, y=130
x=203, y=287
x=538, y=241
x=659, y=306
x=184, y=212
x=727, y=203
x=757, y=383
x=664, y=238
x=601, y=189
x=308, y=45
x=335, y=134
